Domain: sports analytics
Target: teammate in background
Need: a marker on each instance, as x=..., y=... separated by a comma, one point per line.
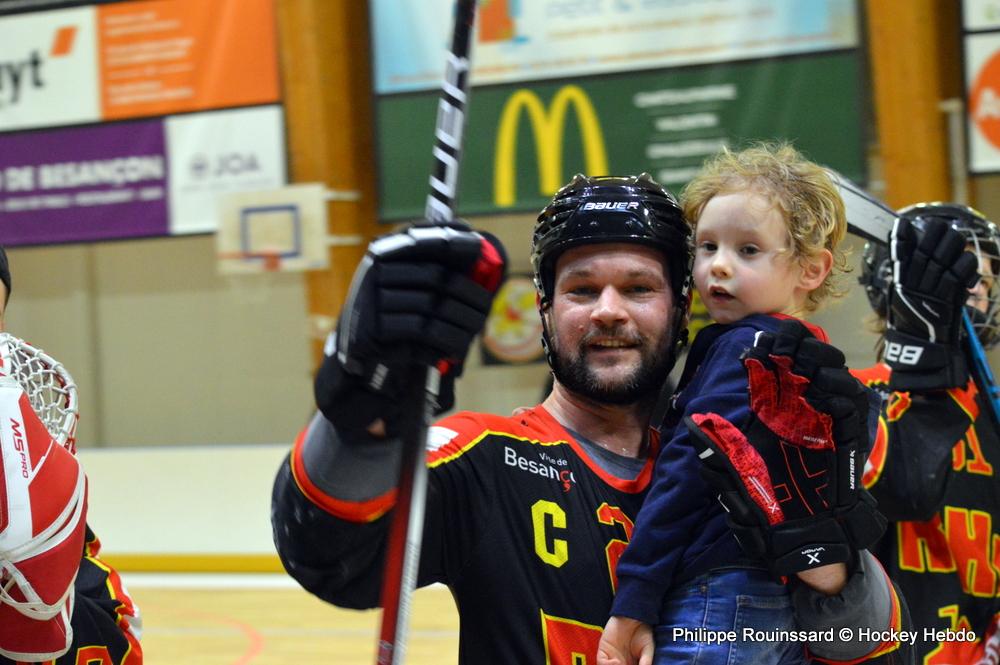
x=59, y=603
x=526, y=515
x=935, y=462
x=767, y=223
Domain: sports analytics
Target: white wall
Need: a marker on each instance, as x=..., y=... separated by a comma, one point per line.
x=163, y=348
x=182, y=499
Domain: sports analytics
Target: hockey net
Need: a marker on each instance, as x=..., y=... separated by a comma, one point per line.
x=49, y=387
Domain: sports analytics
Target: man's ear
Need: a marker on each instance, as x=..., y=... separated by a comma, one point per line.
x=815, y=268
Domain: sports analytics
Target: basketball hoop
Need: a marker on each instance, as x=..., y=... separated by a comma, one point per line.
x=272, y=262
x=280, y=230
x=256, y=262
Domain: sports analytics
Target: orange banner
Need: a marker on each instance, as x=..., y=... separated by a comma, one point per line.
x=173, y=56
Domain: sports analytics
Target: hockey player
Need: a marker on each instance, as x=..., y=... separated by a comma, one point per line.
x=935, y=462
x=526, y=515
x=59, y=603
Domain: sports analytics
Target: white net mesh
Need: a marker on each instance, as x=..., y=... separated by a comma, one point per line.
x=985, y=296
x=48, y=385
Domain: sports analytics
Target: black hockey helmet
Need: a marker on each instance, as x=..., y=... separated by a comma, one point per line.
x=612, y=209
x=5, y=272
x=981, y=234
x=606, y=209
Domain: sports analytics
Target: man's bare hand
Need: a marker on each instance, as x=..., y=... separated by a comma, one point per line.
x=625, y=642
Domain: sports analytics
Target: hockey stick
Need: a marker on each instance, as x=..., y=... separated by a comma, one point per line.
x=406, y=532
x=871, y=219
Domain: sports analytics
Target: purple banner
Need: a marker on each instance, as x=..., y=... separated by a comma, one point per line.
x=81, y=184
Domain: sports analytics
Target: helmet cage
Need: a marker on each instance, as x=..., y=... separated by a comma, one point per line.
x=982, y=238
x=876, y=277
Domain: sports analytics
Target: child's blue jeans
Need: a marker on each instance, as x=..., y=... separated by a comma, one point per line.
x=720, y=603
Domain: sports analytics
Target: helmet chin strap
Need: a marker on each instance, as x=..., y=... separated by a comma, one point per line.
x=544, y=308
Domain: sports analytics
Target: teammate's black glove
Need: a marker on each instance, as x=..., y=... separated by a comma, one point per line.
x=419, y=297
x=931, y=277
x=790, y=480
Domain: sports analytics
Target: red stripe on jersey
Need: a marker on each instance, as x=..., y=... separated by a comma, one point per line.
x=352, y=511
x=873, y=376
x=125, y=610
x=816, y=331
x=894, y=627
x=535, y=426
x=966, y=399
x=875, y=464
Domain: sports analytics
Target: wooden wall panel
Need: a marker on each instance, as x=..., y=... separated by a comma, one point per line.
x=326, y=82
x=914, y=47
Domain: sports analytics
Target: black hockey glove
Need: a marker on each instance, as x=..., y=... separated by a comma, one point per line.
x=419, y=297
x=790, y=479
x=931, y=277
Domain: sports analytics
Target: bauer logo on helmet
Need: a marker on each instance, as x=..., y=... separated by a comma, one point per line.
x=610, y=205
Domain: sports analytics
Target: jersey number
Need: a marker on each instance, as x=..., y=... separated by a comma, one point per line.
x=569, y=642
x=548, y=517
x=93, y=655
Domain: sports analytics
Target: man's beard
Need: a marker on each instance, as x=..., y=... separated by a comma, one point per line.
x=644, y=382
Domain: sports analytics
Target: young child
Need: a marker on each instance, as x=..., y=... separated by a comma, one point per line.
x=767, y=224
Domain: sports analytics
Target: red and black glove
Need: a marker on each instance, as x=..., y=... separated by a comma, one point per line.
x=419, y=297
x=790, y=479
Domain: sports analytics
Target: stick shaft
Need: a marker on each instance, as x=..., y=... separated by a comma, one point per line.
x=403, y=549
x=450, y=124
x=981, y=367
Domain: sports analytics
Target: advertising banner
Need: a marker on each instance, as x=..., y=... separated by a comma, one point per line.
x=135, y=59
x=170, y=56
x=134, y=179
x=982, y=81
x=90, y=183
x=981, y=14
x=217, y=153
x=48, y=69
x=22, y=6
x=518, y=40
x=523, y=142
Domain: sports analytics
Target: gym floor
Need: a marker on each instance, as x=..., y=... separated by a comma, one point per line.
x=270, y=620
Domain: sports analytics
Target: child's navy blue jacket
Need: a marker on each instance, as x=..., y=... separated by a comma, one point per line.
x=681, y=531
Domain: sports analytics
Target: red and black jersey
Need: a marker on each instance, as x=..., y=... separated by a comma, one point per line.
x=522, y=525
x=934, y=470
x=105, y=621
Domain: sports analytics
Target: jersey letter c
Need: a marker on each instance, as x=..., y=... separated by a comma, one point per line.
x=559, y=552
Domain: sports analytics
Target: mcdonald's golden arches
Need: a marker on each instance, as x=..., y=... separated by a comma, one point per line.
x=547, y=126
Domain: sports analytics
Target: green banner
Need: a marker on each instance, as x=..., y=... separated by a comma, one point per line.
x=522, y=143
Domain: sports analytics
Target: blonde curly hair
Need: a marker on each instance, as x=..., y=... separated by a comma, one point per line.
x=806, y=196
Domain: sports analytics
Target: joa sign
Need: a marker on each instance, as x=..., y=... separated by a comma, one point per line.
x=548, y=125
